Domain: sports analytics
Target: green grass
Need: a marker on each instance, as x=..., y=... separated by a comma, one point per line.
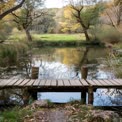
x=49, y=37
x=58, y=40
x=59, y=37
x=16, y=114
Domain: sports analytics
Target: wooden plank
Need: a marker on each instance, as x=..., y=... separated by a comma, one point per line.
x=2, y=82
x=114, y=82
x=54, y=83
x=67, y=83
x=78, y=83
x=36, y=82
x=6, y=81
x=109, y=83
x=48, y=83
x=30, y=83
x=103, y=83
x=75, y=83
x=24, y=82
x=60, y=83
x=12, y=82
x=97, y=82
x=91, y=82
x=18, y=82
x=42, y=82
x=118, y=81
x=84, y=83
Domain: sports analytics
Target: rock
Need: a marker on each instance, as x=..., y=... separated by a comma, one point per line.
x=39, y=103
x=104, y=116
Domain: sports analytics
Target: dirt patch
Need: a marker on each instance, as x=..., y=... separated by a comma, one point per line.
x=74, y=112
x=48, y=115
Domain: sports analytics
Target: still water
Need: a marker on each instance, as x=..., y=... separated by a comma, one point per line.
x=67, y=63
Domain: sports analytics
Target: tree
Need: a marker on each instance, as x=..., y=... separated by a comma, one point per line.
x=45, y=23
x=68, y=24
x=114, y=13
x=25, y=18
x=86, y=13
x=6, y=7
x=5, y=29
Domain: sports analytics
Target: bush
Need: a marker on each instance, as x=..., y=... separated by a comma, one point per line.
x=16, y=114
x=9, y=53
x=15, y=57
x=108, y=35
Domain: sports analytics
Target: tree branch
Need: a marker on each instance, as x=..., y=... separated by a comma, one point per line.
x=11, y=9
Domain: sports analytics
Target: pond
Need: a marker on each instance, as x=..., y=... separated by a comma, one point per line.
x=69, y=63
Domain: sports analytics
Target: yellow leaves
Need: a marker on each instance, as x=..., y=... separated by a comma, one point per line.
x=75, y=26
x=68, y=12
x=6, y=5
x=69, y=24
x=63, y=24
x=69, y=57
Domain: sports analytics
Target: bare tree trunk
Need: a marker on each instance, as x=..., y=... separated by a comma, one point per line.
x=28, y=35
x=86, y=35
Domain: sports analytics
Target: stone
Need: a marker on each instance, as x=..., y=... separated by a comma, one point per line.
x=39, y=103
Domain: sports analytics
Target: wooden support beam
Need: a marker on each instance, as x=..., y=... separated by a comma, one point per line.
x=90, y=95
x=83, y=97
x=25, y=96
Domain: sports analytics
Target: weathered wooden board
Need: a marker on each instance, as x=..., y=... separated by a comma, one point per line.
x=54, y=83
x=60, y=83
x=119, y=81
x=42, y=82
x=92, y=83
x=109, y=82
x=75, y=82
x=12, y=82
x=6, y=82
x=18, y=82
x=78, y=83
x=97, y=82
x=112, y=83
x=36, y=82
x=30, y=83
x=67, y=83
x=24, y=82
x=47, y=82
x=104, y=83
x=3, y=81
x=84, y=83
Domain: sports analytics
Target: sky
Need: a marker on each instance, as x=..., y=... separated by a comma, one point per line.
x=54, y=3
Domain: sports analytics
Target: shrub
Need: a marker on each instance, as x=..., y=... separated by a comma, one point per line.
x=108, y=35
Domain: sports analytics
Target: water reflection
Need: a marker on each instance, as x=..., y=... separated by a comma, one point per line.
x=72, y=63
x=69, y=63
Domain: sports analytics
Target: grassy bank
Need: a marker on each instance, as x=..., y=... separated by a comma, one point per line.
x=71, y=112
x=48, y=37
x=41, y=40
x=59, y=37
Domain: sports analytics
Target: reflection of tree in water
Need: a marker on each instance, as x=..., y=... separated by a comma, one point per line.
x=86, y=65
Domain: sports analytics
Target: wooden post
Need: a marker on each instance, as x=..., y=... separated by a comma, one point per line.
x=34, y=75
x=35, y=72
x=84, y=72
x=83, y=97
x=26, y=96
x=90, y=95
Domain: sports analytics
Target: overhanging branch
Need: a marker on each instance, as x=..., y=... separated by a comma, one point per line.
x=11, y=9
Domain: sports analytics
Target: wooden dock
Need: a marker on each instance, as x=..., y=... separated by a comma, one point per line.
x=77, y=85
